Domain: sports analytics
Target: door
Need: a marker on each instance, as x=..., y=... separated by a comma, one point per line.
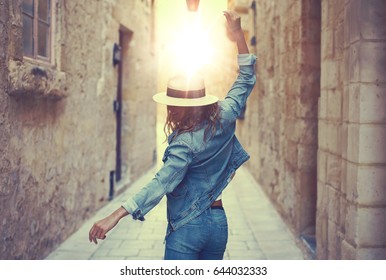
x=118, y=109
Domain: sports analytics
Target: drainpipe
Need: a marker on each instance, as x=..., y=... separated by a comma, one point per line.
x=253, y=39
x=112, y=181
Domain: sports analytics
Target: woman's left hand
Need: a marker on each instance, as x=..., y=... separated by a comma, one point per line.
x=100, y=228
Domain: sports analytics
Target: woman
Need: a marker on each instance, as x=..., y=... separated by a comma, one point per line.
x=202, y=156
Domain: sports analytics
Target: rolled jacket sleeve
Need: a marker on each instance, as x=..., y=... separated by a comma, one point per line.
x=246, y=59
x=177, y=158
x=237, y=96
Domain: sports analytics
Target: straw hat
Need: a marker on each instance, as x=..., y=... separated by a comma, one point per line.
x=185, y=91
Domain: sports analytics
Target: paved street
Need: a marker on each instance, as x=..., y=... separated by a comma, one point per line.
x=256, y=231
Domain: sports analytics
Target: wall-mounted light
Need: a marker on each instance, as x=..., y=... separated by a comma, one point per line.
x=253, y=5
x=116, y=54
x=192, y=5
x=253, y=41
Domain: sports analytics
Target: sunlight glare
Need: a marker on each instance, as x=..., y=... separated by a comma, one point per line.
x=192, y=47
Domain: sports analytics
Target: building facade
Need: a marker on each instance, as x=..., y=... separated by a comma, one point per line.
x=76, y=78
x=315, y=124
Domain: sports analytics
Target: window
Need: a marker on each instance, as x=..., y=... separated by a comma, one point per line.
x=39, y=73
x=37, y=29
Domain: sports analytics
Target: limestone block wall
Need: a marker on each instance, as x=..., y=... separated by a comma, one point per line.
x=352, y=131
x=280, y=127
x=57, y=124
x=315, y=123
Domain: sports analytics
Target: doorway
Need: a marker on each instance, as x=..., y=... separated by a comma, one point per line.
x=122, y=80
x=308, y=177
x=118, y=113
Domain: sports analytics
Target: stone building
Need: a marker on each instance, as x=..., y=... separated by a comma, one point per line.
x=74, y=118
x=316, y=122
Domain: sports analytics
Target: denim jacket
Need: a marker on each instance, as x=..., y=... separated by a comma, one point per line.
x=195, y=171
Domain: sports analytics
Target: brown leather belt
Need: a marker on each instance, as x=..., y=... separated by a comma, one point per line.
x=217, y=203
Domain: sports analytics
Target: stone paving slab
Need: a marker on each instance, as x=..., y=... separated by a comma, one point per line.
x=256, y=231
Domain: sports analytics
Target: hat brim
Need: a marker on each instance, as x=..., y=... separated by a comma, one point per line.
x=162, y=98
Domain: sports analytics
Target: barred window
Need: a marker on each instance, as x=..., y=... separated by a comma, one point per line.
x=37, y=29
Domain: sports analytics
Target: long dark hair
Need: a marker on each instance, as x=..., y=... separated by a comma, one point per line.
x=186, y=119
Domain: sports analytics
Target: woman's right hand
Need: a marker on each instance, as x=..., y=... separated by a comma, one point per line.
x=233, y=21
x=235, y=32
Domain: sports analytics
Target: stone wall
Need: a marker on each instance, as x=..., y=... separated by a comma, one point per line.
x=280, y=127
x=352, y=131
x=57, y=124
x=315, y=123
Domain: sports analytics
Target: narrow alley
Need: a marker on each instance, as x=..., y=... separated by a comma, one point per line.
x=78, y=119
x=256, y=231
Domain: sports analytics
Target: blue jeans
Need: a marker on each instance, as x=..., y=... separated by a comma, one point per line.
x=203, y=238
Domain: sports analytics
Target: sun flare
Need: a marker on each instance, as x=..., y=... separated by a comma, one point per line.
x=192, y=46
x=191, y=42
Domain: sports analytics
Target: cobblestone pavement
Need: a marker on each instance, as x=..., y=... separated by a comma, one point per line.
x=256, y=231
